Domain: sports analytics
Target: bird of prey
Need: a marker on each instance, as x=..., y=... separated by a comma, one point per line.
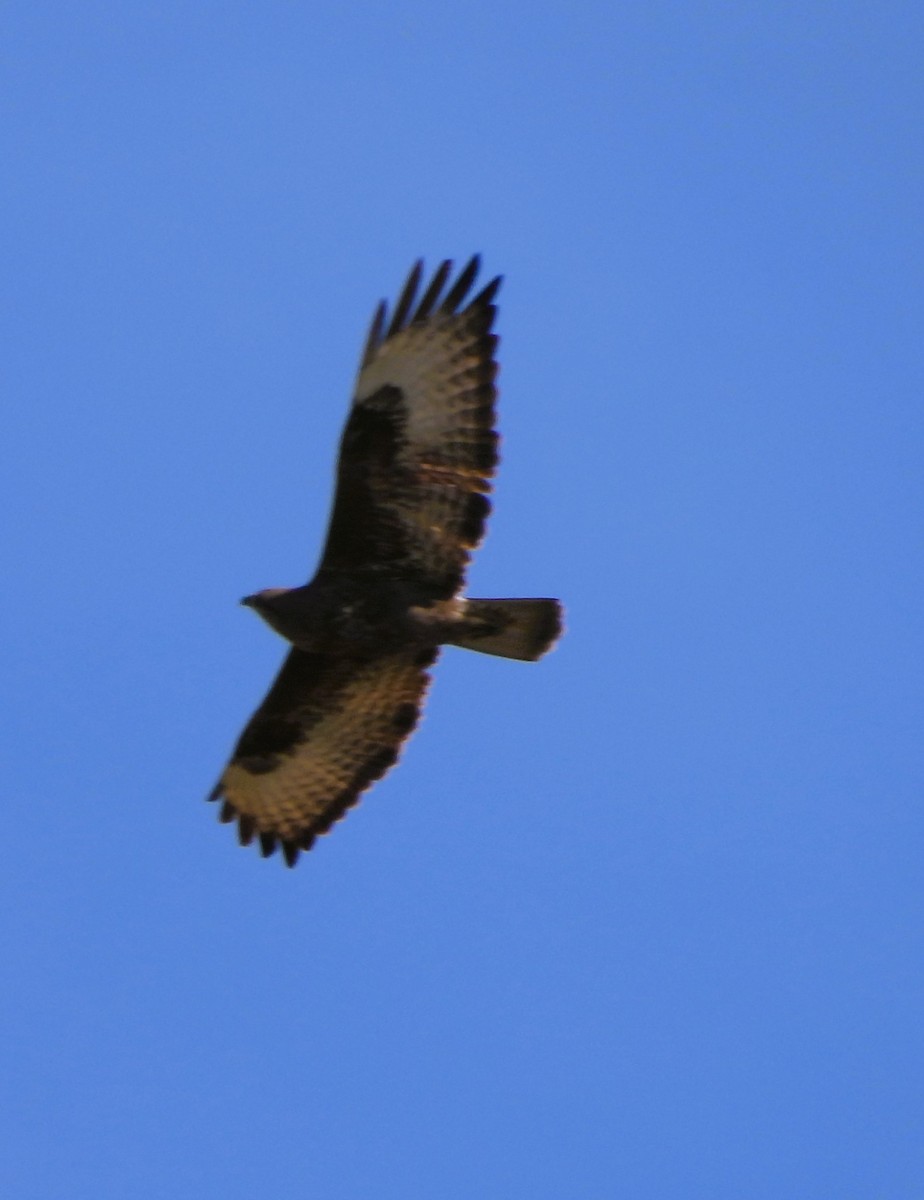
x=416, y=459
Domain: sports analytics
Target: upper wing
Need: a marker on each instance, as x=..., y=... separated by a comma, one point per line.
x=419, y=447
x=328, y=728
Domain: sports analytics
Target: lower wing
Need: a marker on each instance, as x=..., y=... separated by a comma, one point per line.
x=327, y=729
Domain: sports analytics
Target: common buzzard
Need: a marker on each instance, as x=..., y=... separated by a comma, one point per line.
x=416, y=459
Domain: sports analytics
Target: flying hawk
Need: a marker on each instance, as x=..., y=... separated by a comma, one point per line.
x=416, y=459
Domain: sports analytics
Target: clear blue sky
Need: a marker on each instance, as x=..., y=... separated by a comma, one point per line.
x=642, y=921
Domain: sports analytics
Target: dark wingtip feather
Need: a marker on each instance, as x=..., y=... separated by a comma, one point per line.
x=406, y=299
x=267, y=844
x=290, y=852
x=460, y=288
x=487, y=294
x=374, y=337
x=432, y=294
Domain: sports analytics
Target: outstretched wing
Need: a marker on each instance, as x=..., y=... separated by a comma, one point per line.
x=328, y=728
x=419, y=447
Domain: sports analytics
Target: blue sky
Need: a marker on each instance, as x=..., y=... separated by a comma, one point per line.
x=643, y=920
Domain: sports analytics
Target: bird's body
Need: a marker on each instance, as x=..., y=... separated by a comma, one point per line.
x=416, y=458
x=341, y=614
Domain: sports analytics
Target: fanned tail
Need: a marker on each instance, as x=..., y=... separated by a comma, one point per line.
x=521, y=629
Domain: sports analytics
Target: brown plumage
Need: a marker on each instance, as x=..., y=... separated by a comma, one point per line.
x=416, y=459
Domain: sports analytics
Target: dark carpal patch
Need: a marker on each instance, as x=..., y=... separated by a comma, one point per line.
x=262, y=744
x=375, y=428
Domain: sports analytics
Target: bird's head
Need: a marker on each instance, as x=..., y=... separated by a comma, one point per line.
x=283, y=609
x=263, y=601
